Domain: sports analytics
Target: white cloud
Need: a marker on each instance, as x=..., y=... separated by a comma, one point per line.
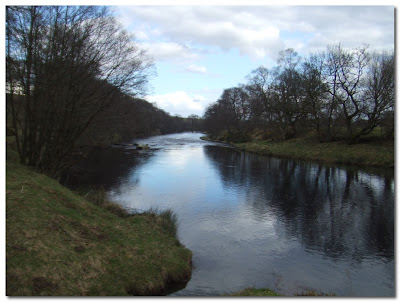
x=221, y=26
x=169, y=51
x=182, y=35
x=256, y=30
x=196, y=69
x=351, y=26
x=179, y=102
x=140, y=34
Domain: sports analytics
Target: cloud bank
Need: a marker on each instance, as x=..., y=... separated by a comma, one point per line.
x=191, y=41
x=179, y=103
x=260, y=31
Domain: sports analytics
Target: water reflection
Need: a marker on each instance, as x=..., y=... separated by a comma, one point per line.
x=340, y=212
x=258, y=221
x=105, y=167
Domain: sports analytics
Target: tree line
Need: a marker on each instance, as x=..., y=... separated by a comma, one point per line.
x=74, y=76
x=131, y=117
x=337, y=93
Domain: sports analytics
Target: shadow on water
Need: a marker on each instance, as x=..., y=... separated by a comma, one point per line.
x=105, y=167
x=338, y=212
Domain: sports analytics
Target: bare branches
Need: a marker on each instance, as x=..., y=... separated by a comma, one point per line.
x=71, y=63
x=328, y=91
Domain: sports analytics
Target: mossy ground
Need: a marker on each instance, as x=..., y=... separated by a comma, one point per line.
x=60, y=244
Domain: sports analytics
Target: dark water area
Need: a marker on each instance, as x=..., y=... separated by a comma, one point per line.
x=259, y=221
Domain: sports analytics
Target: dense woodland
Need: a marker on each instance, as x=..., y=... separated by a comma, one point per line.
x=75, y=77
x=336, y=94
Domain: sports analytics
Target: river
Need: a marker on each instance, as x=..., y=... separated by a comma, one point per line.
x=254, y=221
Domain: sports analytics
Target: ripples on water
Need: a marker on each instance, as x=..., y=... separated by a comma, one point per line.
x=261, y=222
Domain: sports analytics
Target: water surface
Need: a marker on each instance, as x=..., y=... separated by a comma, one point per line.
x=259, y=221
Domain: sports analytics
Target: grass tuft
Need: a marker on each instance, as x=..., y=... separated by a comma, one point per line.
x=170, y=222
x=167, y=220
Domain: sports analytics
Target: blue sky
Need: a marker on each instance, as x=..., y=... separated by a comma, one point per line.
x=200, y=50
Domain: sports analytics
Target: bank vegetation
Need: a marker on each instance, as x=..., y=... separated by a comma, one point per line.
x=75, y=77
x=59, y=243
x=337, y=97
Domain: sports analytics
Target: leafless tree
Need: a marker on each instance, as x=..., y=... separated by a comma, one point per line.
x=379, y=94
x=347, y=70
x=339, y=93
x=70, y=63
x=315, y=91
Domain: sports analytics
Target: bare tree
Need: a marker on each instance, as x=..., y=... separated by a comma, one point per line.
x=347, y=71
x=71, y=62
x=379, y=95
x=339, y=89
x=259, y=89
x=315, y=91
x=288, y=96
x=213, y=117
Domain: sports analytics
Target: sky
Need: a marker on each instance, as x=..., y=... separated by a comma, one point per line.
x=201, y=47
x=200, y=50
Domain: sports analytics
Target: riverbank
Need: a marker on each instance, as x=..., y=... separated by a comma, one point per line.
x=370, y=153
x=266, y=292
x=254, y=292
x=60, y=244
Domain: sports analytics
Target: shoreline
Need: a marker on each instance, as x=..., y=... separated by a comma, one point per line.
x=362, y=155
x=59, y=243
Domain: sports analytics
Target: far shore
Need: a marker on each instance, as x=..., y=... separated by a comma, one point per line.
x=374, y=153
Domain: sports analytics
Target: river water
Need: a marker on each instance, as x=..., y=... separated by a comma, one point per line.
x=258, y=221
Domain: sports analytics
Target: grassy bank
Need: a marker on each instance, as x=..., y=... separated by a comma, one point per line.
x=59, y=243
x=379, y=154
x=266, y=292
x=256, y=292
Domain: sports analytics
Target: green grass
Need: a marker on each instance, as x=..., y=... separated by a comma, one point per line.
x=259, y=292
x=313, y=293
x=59, y=243
x=368, y=154
x=266, y=292
x=168, y=219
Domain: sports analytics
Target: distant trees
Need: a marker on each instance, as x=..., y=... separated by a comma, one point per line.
x=64, y=66
x=337, y=93
x=130, y=117
x=195, y=122
x=230, y=113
